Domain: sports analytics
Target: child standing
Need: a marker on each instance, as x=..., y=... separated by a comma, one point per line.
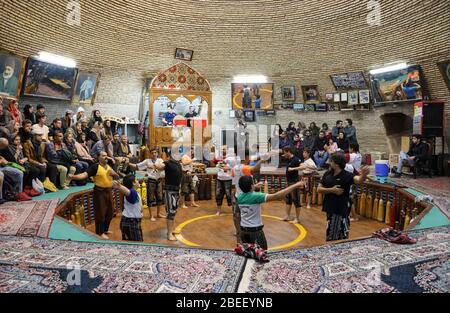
x=130, y=225
x=249, y=203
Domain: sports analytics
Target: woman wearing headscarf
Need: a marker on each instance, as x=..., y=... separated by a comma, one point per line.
x=13, y=109
x=28, y=114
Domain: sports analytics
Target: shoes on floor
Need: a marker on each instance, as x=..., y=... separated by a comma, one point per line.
x=22, y=197
x=31, y=192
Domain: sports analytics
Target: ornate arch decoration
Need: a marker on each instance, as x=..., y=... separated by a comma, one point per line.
x=179, y=80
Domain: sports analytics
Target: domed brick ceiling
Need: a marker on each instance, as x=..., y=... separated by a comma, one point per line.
x=277, y=38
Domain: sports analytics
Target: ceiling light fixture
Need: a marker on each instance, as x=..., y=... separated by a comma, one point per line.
x=250, y=79
x=390, y=68
x=56, y=59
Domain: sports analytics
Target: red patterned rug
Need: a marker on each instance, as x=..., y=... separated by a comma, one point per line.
x=27, y=219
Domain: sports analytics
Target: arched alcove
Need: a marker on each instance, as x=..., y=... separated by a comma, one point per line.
x=179, y=89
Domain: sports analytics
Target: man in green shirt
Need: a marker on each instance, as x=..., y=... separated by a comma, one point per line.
x=249, y=203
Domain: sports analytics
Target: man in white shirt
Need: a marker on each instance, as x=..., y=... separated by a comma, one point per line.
x=224, y=182
x=42, y=127
x=154, y=167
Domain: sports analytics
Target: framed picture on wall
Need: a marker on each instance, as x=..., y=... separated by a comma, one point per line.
x=249, y=116
x=333, y=107
x=288, y=93
x=48, y=80
x=12, y=68
x=311, y=94
x=270, y=112
x=85, y=89
x=329, y=97
x=337, y=97
x=299, y=107
x=310, y=107
x=444, y=67
x=364, y=96
x=184, y=54
x=344, y=97
x=321, y=107
x=353, y=97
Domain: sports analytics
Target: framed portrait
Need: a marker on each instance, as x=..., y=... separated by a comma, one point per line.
x=260, y=112
x=444, y=67
x=299, y=107
x=12, y=68
x=85, y=88
x=337, y=97
x=184, y=54
x=288, y=93
x=252, y=96
x=311, y=94
x=310, y=107
x=270, y=112
x=249, y=116
x=333, y=107
x=329, y=97
x=49, y=80
x=353, y=97
x=364, y=96
x=321, y=107
x=344, y=97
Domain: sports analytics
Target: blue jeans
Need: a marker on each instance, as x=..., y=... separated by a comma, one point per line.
x=16, y=175
x=320, y=160
x=81, y=167
x=404, y=157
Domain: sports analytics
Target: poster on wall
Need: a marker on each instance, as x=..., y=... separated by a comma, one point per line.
x=353, y=80
x=444, y=67
x=252, y=96
x=311, y=94
x=49, y=80
x=400, y=85
x=353, y=97
x=11, y=68
x=364, y=96
x=85, y=88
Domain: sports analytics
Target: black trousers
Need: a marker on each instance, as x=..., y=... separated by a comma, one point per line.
x=52, y=173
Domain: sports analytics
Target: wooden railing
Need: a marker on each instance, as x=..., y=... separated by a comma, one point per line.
x=382, y=202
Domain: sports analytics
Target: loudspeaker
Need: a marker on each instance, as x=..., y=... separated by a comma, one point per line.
x=433, y=119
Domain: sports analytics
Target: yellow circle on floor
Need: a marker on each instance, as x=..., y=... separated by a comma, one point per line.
x=300, y=237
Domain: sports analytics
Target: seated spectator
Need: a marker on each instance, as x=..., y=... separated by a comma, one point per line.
x=41, y=126
x=332, y=146
x=291, y=131
x=124, y=155
x=337, y=129
x=83, y=150
x=342, y=142
x=284, y=140
x=417, y=151
x=107, y=128
x=13, y=109
x=79, y=116
x=308, y=140
x=28, y=114
x=326, y=130
x=67, y=120
x=84, y=127
x=95, y=133
x=80, y=165
x=350, y=131
x=5, y=119
x=320, y=153
x=56, y=153
x=56, y=126
x=104, y=145
x=355, y=157
x=77, y=130
x=116, y=144
x=297, y=147
x=40, y=110
x=25, y=131
x=314, y=129
x=15, y=176
x=14, y=154
x=34, y=151
x=96, y=116
x=301, y=127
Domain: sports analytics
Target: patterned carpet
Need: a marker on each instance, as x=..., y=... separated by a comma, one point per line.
x=438, y=188
x=367, y=266
x=46, y=266
x=28, y=219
